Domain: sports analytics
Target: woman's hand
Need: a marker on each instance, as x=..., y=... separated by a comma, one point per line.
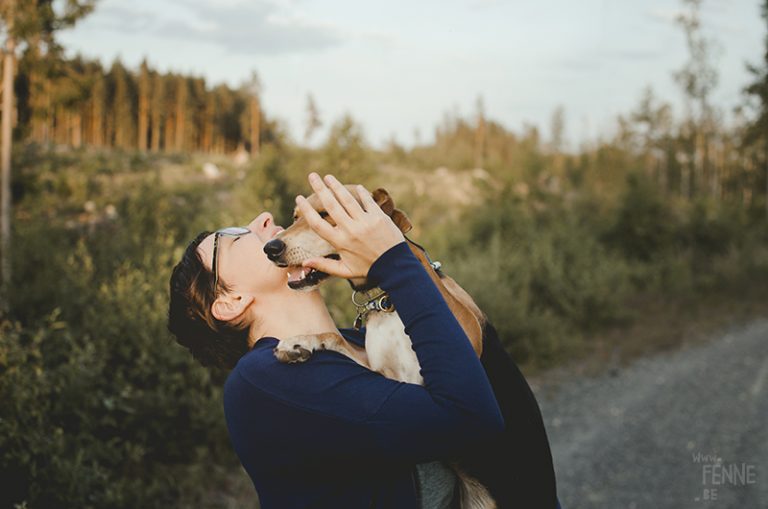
x=361, y=235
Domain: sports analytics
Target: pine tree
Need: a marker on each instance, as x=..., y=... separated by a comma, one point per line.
x=157, y=109
x=654, y=121
x=697, y=78
x=251, y=124
x=481, y=145
x=34, y=23
x=313, y=119
x=756, y=136
x=97, y=109
x=180, y=124
x=144, y=98
x=123, y=107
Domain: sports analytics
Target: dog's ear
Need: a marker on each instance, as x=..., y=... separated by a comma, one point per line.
x=384, y=200
x=401, y=220
x=387, y=204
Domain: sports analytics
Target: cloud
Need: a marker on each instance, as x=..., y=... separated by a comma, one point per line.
x=111, y=16
x=603, y=59
x=257, y=27
x=482, y=4
x=578, y=64
x=632, y=54
x=666, y=16
x=713, y=15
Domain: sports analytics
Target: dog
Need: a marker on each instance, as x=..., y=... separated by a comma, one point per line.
x=388, y=348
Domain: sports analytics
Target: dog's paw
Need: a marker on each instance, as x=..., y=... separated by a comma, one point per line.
x=291, y=353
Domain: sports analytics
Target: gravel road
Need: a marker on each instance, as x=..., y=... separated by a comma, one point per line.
x=687, y=429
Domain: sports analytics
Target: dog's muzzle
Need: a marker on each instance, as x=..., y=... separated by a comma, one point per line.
x=274, y=249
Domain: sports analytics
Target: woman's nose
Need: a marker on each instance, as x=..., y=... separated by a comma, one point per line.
x=262, y=222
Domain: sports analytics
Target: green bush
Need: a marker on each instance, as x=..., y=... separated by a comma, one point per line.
x=100, y=407
x=542, y=278
x=645, y=225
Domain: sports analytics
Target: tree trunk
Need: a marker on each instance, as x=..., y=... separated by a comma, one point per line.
x=5, y=163
x=714, y=170
x=181, y=105
x=208, y=124
x=77, y=129
x=97, y=113
x=156, y=128
x=685, y=180
x=156, y=117
x=170, y=135
x=48, y=129
x=143, y=123
x=697, y=182
x=480, y=142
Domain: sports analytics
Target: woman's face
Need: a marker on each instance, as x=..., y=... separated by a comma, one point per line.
x=241, y=261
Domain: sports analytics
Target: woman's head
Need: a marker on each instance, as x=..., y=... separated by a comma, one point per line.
x=213, y=316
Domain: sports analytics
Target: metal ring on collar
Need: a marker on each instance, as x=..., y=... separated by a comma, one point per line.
x=384, y=304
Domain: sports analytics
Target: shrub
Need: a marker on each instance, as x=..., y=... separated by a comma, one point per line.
x=644, y=226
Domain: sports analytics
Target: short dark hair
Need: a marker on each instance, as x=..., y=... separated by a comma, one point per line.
x=212, y=342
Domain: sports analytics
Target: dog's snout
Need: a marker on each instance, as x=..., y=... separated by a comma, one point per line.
x=274, y=249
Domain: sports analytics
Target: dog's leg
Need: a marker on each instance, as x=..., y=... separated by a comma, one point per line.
x=300, y=348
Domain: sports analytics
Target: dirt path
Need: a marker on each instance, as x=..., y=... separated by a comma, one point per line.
x=687, y=429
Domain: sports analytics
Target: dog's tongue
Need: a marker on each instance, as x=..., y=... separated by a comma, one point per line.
x=297, y=274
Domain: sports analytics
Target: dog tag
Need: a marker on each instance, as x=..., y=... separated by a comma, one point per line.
x=358, y=322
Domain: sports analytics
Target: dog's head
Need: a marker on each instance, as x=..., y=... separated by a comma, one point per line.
x=299, y=242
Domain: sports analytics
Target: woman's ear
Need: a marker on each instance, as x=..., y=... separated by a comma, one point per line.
x=229, y=306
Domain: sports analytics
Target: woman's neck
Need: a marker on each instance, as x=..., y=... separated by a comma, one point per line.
x=291, y=314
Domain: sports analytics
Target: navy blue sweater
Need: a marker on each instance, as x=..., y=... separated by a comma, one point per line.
x=329, y=433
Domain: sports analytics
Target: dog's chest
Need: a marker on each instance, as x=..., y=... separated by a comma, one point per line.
x=389, y=348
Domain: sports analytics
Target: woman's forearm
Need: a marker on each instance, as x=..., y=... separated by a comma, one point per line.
x=453, y=376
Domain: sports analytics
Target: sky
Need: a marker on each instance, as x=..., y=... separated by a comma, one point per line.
x=398, y=66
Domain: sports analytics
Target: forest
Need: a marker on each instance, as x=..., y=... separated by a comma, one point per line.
x=625, y=245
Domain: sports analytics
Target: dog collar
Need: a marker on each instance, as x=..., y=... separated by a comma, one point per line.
x=379, y=302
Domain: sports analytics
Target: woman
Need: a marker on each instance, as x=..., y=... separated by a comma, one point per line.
x=328, y=432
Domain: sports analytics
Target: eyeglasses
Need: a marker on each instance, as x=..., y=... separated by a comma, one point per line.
x=232, y=231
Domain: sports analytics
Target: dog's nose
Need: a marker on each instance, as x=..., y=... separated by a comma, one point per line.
x=274, y=248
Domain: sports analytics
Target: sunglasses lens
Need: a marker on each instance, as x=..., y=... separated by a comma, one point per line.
x=234, y=230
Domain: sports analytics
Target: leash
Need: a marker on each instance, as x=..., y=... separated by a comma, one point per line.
x=380, y=301
x=435, y=265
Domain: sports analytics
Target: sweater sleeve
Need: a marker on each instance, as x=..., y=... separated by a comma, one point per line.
x=456, y=401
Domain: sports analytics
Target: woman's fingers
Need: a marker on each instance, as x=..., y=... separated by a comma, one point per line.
x=360, y=236
x=369, y=204
x=317, y=223
x=333, y=267
x=329, y=201
x=344, y=196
